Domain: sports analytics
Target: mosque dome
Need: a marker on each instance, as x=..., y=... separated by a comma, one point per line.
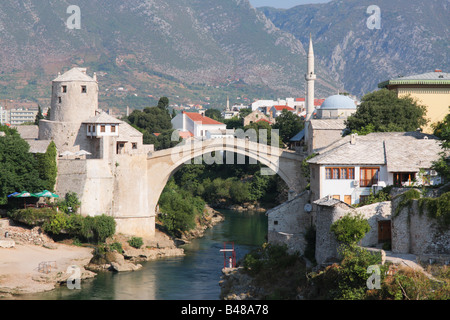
x=338, y=102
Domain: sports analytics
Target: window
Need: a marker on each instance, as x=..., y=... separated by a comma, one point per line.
x=113, y=129
x=403, y=178
x=363, y=199
x=64, y=89
x=59, y=99
x=340, y=173
x=83, y=89
x=103, y=128
x=369, y=176
x=89, y=128
x=135, y=145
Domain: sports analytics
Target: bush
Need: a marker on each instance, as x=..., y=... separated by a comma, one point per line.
x=91, y=229
x=136, y=242
x=350, y=229
x=98, y=229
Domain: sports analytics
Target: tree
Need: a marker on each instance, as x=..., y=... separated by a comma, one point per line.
x=47, y=167
x=163, y=103
x=384, y=111
x=39, y=116
x=214, y=114
x=289, y=125
x=18, y=167
x=350, y=229
x=245, y=112
x=442, y=130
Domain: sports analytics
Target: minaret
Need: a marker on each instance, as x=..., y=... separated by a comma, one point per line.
x=310, y=77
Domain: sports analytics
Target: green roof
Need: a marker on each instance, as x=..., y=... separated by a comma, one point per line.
x=433, y=78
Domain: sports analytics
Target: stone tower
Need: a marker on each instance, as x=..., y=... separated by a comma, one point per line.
x=74, y=100
x=74, y=96
x=310, y=78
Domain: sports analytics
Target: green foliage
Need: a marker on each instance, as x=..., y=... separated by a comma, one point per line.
x=348, y=280
x=234, y=123
x=380, y=196
x=179, y=208
x=70, y=201
x=116, y=246
x=18, y=168
x=262, y=133
x=442, y=130
x=437, y=208
x=92, y=229
x=350, y=229
x=47, y=167
x=289, y=125
x=215, y=114
x=154, y=120
x=306, y=168
x=39, y=116
x=406, y=200
x=136, y=242
x=384, y=111
x=310, y=250
x=267, y=261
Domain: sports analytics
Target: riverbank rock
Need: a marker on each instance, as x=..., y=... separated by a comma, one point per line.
x=237, y=285
x=7, y=244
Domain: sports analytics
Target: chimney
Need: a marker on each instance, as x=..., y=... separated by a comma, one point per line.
x=353, y=139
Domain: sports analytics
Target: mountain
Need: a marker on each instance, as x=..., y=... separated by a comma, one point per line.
x=413, y=38
x=194, y=51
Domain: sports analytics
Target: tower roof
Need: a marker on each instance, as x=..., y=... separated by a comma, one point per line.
x=338, y=102
x=75, y=74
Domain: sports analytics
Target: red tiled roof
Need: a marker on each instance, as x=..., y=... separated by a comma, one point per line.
x=318, y=102
x=283, y=107
x=157, y=134
x=263, y=120
x=197, y=117
x=300, y=99
x=185, y=134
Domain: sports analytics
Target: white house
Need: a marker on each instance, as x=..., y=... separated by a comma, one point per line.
x=353, y=167
x=275, y=111
x=196, y=124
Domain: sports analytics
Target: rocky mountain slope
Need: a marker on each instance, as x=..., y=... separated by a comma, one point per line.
x=413, y=38
x=179, y=48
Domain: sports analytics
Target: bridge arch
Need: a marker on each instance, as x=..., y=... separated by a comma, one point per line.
x=161, y=165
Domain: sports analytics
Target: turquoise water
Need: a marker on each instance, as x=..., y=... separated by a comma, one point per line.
x=194, y=276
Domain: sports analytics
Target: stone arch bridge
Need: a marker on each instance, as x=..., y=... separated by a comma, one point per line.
x=129, y=187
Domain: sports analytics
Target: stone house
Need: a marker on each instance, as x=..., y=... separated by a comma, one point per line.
x=256, y=116
x=356, y=166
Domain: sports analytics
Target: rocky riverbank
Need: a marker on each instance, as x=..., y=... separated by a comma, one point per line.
x=32, y=262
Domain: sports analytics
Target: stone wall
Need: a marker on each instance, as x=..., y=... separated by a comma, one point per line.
x=327, y=212
x=374, y=213
x=414, y=232
x=289, y=222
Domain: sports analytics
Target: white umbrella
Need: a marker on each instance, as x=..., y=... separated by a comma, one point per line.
x=67, y=153
x=82, y=153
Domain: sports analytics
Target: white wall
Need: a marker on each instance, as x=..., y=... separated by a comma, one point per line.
x=343, y=187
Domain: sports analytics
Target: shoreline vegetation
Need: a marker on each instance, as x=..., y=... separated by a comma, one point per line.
x=20, y=274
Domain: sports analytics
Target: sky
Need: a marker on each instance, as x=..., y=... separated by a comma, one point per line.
x=283, y=4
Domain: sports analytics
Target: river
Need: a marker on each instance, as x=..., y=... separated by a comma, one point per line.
x=194, y=276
